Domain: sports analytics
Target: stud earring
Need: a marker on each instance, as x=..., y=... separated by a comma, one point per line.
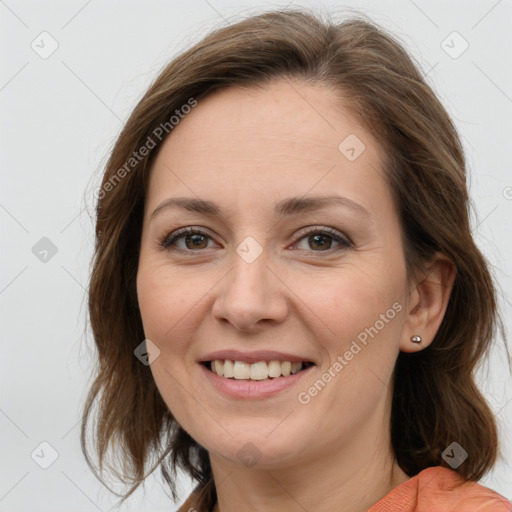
x=416, y=339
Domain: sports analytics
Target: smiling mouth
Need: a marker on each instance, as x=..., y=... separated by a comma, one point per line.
x=259, y=371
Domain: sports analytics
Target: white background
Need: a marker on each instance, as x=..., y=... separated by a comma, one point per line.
x=59, y=118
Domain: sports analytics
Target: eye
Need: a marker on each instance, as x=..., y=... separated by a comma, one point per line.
x=320, y=239
x=193, y=239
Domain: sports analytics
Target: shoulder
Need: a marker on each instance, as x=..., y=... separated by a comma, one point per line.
x=442, y=490
x=447, y=486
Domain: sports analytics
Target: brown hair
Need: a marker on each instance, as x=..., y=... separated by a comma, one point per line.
x=435, y=399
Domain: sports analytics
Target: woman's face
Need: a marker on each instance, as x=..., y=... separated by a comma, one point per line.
x=299, y=259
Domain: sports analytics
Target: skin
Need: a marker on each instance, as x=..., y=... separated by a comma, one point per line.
x=246, y=149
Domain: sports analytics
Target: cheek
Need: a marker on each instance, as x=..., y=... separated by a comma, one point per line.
x=358, y=322
x=169, y=310
x=165, y=303
x=348, y=303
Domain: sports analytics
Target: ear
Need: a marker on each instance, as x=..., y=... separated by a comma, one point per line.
x=427, y=303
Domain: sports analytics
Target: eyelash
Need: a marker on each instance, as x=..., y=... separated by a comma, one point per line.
x=170, y=239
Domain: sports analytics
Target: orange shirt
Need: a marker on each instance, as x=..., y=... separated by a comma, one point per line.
x=431, y=490
x=435, y=490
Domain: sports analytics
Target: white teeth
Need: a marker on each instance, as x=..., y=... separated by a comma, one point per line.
x=228, y=367
x=274, y=369
x=296, y=367
x=257, y=371
x=241, y=370
x=218, y=367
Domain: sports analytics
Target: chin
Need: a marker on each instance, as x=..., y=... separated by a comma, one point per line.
x=257, y=450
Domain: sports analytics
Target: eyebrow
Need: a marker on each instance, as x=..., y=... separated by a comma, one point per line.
x=285, y=207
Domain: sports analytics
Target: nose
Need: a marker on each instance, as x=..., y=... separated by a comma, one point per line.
x=251, y=296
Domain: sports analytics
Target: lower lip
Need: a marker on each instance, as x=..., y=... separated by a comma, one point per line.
x=252, y=389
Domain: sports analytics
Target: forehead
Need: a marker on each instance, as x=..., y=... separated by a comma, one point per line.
x=281, y=112
x=283, y=138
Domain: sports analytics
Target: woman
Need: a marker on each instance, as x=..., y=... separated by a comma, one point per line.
x=286, y=297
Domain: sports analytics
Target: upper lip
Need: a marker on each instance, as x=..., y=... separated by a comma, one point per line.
x=254, y=356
